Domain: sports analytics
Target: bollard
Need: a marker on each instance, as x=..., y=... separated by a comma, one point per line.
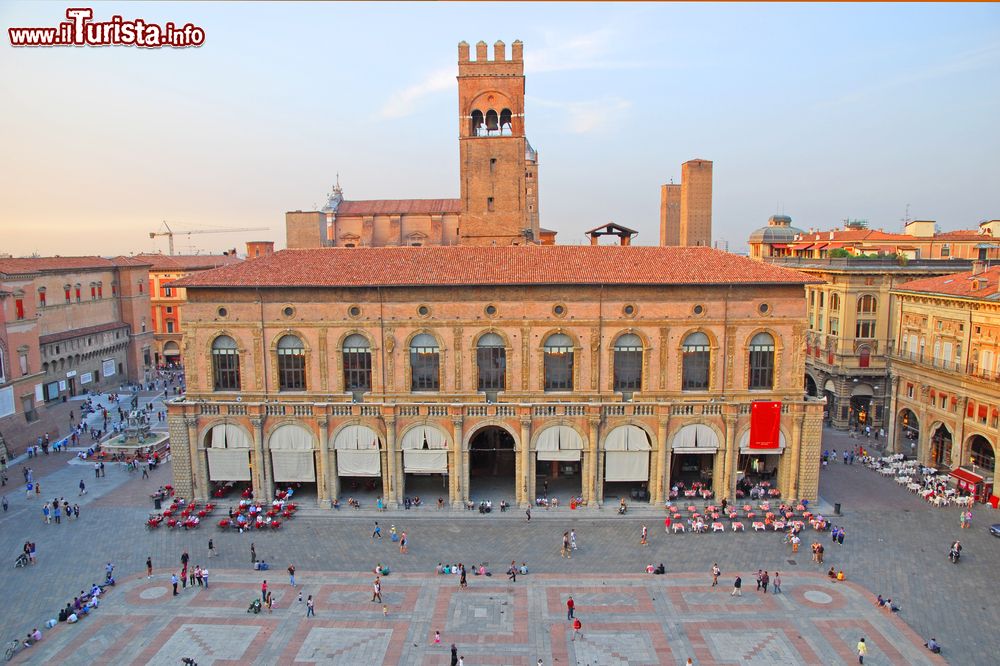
x=836, y=508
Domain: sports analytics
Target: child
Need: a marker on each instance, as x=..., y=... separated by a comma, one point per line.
x=437, y=638
x=385, y=611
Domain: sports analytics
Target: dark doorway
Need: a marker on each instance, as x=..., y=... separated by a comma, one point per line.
x=492, y=464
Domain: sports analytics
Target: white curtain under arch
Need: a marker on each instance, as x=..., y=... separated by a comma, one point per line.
x=228, y=453
x=425, y=451
x=559, y=443
x=357, y=451
x=695, y=438
x=292, y=457
x=626, y=456
x=745, y=445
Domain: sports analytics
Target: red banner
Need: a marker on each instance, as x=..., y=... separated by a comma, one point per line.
x=765, y=425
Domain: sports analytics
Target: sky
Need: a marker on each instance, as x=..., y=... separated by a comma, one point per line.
x=822, y=112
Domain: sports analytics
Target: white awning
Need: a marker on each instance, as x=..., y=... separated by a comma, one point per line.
x=425, y=461
x=415, y=438
x=695, y=438
x=356, y=437
x=289, y=465
x=358, y=463
x=290, y=437
x=627, y=438
x=228, y=464
x=229, y=436
x=745, y=445
x=626, y=466
x=559, y=443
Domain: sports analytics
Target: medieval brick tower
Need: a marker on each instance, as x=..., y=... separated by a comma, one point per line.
x=499, y=169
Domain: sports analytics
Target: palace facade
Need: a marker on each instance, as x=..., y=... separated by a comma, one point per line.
x=612, y=368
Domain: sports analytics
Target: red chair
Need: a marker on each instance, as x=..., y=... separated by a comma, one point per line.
x=202, y=513
x=286, y=513
x=275, y=524
x=153, y=523
x=168, y=512
x=171, y=523
x=224, y=523
x=210, y=507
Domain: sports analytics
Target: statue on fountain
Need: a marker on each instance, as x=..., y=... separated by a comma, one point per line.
x=136, y=427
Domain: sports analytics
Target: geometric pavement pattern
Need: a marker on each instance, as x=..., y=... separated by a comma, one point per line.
x=629, y=619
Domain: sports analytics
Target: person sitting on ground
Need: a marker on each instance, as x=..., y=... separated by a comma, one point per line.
x=336, y=503
x=933, y=645
x=524, y=569
x=650, y=568
x=840, y=575
x=660, y=570
x=893, y=608
x=622, y=507
x=64, y=613
x=446, y=569
x=832, y=574
x=879, y=601
x=439, y=569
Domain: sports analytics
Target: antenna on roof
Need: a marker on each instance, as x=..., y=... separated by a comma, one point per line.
x=906, y=216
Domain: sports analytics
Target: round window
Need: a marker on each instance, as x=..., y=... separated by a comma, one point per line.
x=559, y=310
x=699, y=309
x=491, y=310
x=629, y=310
x=288, y=311
x=763, y=308
x=354, y=311
x=222, y=312
x=423, y=311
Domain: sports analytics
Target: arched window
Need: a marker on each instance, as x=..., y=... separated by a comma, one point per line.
x=291, y=364
x=357, y=363
x=762, y=362
x=982, y=454
x=478, y=125
x=425, y=363
x=225, y=364
x=491, y=361
x=867, y=304
x=864, y=357
x=558, y=365
x=492, y=121
x=628, y=363
x=695, y=362
x=834, y=302
x=505, y=124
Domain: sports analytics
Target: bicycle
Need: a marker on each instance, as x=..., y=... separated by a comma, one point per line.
x=12, y=648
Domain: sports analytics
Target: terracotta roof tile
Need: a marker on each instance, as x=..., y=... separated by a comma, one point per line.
x=959, y=284
x=187, y=262
x=35, y=264
x=77, y=332
x=507, y=265
x=400, y=207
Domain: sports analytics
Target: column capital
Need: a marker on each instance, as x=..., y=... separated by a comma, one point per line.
x=190, y=421
x=322, y=422
x=525, y=421
x=257, y=422
x=457, y=421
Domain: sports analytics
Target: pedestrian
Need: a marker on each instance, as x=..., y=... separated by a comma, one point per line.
x=173, y=581
x=666, y=525
x=437, y=638
x=310, y=608
x=5, y=503
x=572, y=539
x=263, y=591
x=211, y=548
x=454, y=655
x=840, y=536
x=269, y=603
x=377, y=589
x=716, y=572
x=862, y=651
x=645, y=532
x=57, y=513
x=462, y=581
x=570, y=607
x=149, y=567
x=819, y=553
x=192, y=577
x=760, y=575
x=385, y=610
x=765, y=579
x=777, y=583
x=512, y=572
x=291, y=575
x=102, y=469
x=97, y=470
x=253, y=554
x=737, y=587
x=83, y=488
x=377, y=532
x=184, y=576
x=577, y=626
x=76, y=511
x=184, y=558
x=402, y=543
x=564, y=551
x=204, y=578
x=145, y=470
x=46, y=519
x=461, y=660
x=527, y=512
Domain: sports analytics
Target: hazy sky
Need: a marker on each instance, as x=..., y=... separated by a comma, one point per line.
x=824, y=112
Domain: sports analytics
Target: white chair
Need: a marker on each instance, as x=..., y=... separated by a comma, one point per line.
x=758, y=526
x=678, y=527
x=738, y=527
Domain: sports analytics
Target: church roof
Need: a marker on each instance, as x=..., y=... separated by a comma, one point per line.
x=400, y=207
x=432, y=266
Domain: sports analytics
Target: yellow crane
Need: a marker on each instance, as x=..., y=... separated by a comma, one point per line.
x=169, y=233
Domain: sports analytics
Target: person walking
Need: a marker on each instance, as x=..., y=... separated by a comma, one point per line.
x=570, y=607
x=211, y=548
x=402, y=543
x=47, y=519
x=263, y=591
x=716, y=572
x=83, y=488
x=57, y=513
x=577, y=626
x=310, y=607
x=377, y=532
x=454, y=655
x=253, y=554
x=173, y=581
x=840, y=536
x=149, y=567
x=819, y=553
x=463, y=582
x=512, y=572
x=645, y=533
x=760, y=575
x=572, y=539
x=764, y=580
x=564, y=550
x=377, y=589
x=777, y=583
x=862, y=651
x=204, y=578
x=5, y=503
x=437, y=638
x=527, y=512
x=291, y=575
x=737, y=587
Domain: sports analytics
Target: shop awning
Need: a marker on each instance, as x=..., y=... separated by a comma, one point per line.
x=965, y=475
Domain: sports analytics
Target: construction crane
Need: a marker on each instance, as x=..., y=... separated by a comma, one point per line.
x=169, y=233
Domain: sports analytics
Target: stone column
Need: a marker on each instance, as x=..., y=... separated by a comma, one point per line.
x=798, y=432
x=659, y=488
x=259, y=479
x=458, y=471
x=199, y=466
x=958, y=453
x=322, y=485
x=525, y=469
x=392, y=493
x=726, y=487
x=594, y=483
x=892, y=405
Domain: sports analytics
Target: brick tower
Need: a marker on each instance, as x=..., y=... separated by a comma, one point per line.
x=499, y=168
x=696, y=203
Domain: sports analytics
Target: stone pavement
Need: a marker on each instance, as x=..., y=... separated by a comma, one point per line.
x=634, y=619
x=896, y=545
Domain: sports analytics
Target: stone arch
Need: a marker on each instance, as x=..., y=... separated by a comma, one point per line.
x=968, y=452
x=559, y=422
x=714, y=351
x=291, y=422
x=289, y=331
x=644, y=363
x=427, y=423
x=496, y=331
x=206, y=429
x=348, y=332
x=577, y=355
x=654, y=444
x=492, y=422
x=779, y=348
x=373, y=425
x=678, y=426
